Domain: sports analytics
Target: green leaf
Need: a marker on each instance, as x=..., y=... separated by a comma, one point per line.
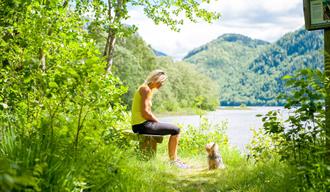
x=53, y=84
x=286, y=77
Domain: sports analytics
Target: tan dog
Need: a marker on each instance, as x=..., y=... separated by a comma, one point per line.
x=214, y=157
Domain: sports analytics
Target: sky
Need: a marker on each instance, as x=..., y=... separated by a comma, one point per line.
x=259, y=19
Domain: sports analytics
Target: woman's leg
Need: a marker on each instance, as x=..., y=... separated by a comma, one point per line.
x=155, y=128
x=173, y=146
x=164, y=129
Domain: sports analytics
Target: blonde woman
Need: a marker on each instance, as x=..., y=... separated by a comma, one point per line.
x=145, y=122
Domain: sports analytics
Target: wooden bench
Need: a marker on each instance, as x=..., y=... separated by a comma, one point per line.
x=147, y=142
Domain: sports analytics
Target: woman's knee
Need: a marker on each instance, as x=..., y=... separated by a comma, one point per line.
x=176, y=131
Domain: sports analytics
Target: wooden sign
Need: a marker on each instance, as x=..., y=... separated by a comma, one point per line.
x=317, y=14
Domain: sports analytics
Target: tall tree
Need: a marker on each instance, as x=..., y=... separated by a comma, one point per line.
x=171, y=13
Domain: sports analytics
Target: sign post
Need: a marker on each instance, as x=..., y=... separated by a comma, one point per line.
x=317, y=16
x=327, y=100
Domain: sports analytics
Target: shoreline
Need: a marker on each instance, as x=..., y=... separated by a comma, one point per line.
x=192, y=112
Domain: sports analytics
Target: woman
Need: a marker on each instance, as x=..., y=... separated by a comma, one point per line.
x=145, y=122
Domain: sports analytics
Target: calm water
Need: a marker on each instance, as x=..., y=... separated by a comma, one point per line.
x=239, y=122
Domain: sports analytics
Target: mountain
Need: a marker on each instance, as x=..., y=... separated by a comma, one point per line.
x=227, y=39
x=159, y=53
x=249, y=71
x=224, y=59
x=226, y=50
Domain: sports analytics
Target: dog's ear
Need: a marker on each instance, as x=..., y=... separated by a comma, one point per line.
x=213, y=146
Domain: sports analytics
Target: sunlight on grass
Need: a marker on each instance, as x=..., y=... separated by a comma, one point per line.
x=239, y=175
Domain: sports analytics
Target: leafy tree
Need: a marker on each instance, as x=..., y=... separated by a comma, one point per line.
x=56, y=105
x=135, y=59
x=112, y=14
x=300, y=140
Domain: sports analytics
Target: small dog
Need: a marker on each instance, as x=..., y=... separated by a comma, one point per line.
x=214, y=157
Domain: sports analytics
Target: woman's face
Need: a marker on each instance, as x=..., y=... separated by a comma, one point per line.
x=155, y=85
x=159, y=85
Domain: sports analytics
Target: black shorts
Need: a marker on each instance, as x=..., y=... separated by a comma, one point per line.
x=154, y=128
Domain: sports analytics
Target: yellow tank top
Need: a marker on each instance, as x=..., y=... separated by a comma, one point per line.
x=137, y=117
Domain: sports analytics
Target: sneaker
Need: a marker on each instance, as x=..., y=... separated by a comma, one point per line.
x=179, y=164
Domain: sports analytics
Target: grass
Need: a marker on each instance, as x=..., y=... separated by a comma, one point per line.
x=110, y=168
x=239, y=174
x=127, y=172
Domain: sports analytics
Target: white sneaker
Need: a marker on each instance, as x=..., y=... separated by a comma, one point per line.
x=179, y=164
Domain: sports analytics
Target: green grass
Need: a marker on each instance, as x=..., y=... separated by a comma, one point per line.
x=111, y=168
x=239, y=175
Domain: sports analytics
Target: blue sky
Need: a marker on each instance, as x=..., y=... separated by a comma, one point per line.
x=260, y=19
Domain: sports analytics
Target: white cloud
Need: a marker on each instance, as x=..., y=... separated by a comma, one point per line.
x=246, y=6
x=260, y=19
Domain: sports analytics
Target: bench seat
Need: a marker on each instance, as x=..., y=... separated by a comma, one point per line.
x=147, y=142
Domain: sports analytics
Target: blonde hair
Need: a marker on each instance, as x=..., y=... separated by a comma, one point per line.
x=157, y=76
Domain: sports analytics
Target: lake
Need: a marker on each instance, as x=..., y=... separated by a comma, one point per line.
x=239, y=122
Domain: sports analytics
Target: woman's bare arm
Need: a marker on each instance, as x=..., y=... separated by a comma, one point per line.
x=146, y=108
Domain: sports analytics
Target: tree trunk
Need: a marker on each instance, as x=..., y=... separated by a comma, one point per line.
x=111, y=40
x=109, y=50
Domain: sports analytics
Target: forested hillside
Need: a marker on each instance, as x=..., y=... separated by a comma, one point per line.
x=185, y=88
x=250, y=71
x=226, y=55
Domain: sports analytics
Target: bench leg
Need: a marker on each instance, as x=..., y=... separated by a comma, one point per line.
x=153, y=144
x=148, y=146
